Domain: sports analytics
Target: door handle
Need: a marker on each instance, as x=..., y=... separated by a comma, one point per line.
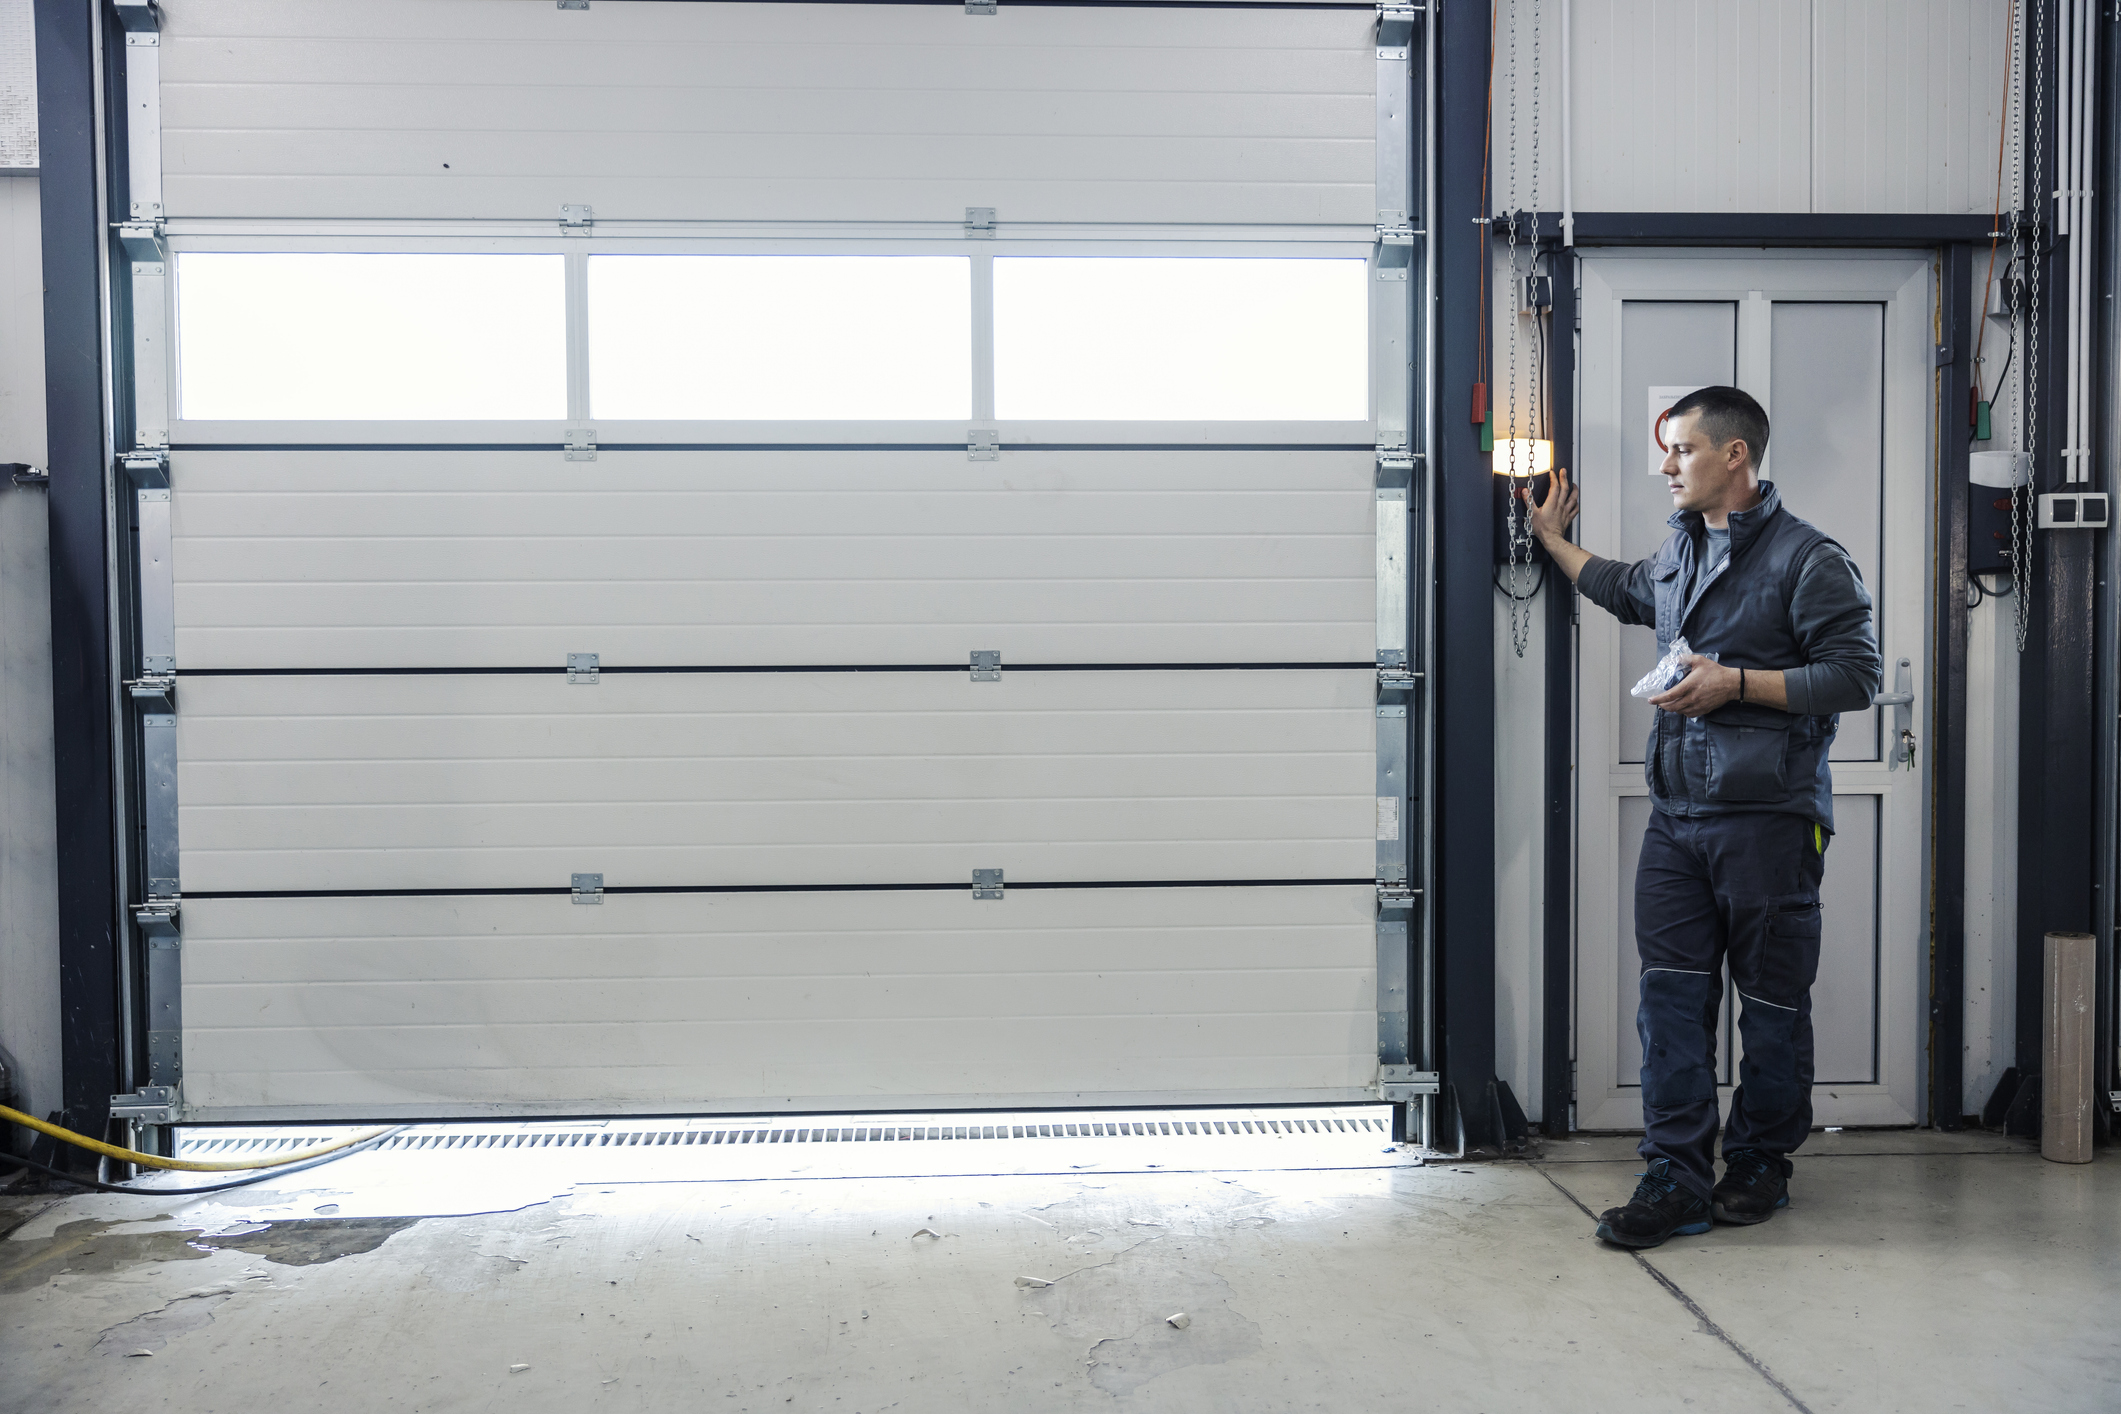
x=1902, y=700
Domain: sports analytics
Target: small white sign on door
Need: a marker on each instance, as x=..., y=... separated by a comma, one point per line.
x=1661, y=400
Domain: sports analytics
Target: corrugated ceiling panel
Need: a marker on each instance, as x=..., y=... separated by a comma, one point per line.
x=393, y=782
x=1910, y=99
x=787, y=1001
x=476, y=108
x=489, y=559
x=1690, y=105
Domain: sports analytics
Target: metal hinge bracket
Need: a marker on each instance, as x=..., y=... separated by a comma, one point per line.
x=1395, y=245
x=147, y=468
x=987, y=883
x=587, y=888
x=150, y=1104
x=979, y=220
x=583, y=669
x=581, y=444
x=1393, y=897
x=983, y=444
x=1397, y=1084
x=158, y=919
x=144, y=246
x=575, y=220
x=153, y=687
x=986, y=665
x=23, y=474
x=1396, y=677
x=574, y=4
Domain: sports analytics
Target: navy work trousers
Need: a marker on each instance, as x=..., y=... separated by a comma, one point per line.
x=1710, y=888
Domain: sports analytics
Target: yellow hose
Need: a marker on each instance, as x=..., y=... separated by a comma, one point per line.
x=156, y=1161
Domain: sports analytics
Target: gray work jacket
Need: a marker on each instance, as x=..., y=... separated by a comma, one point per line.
x=1787, y=597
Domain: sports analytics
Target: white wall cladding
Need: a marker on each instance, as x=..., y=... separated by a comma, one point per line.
x=409, y=1006
x=515, y=781
x=1759, y=105
x=515, y=559
x=657, y=111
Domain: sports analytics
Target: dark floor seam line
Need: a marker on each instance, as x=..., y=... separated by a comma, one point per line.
x=1693, y=1307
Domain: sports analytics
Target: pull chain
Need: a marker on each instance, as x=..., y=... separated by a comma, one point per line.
x=2029, y=284
x=1521, y=583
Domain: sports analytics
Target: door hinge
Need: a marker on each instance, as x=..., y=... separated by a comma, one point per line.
x=583, y=669
x=158, y=919
x=1395, y=676
x=983, y=444
x=1399, y=1083
x=979, y=220
x=150, y=1104
x=148, y=468
x=1395, y=245
x=581, y=444
x=576, y=220
x=1393, y=897
x=150, y=687
x=987, y=883
x=986, y=665
x=587, y=888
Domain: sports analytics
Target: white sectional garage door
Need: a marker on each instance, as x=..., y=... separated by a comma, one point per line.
x=784, y=769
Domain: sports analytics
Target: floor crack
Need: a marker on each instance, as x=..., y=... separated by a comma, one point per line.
x=1693, y=1307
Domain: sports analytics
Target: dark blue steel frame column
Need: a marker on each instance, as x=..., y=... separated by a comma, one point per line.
x=1464, y=691
x=2057, y=884
x=1947, y=732
x=2106, y=424
x=72, y=116
x=1557, y=1080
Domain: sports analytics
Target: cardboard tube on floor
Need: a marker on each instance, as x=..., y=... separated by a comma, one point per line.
x=2066, y=1072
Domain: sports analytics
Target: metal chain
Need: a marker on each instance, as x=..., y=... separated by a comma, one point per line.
x=2029, y=358
x=1520, y=584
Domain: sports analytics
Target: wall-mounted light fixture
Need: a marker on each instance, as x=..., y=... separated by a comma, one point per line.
x=1523, y=456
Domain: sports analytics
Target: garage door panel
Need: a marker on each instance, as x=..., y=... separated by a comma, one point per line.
x=813, y=1000
x=496, y=559
x=308, y=783
x=746, y=112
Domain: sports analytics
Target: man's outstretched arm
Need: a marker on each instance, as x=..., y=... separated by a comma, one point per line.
x=1621, y=590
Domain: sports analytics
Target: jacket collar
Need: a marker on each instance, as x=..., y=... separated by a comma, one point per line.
x=1745, y=525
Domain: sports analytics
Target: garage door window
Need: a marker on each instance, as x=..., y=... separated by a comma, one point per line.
x=356, y=337
x=780, y=337
x=1174, y=338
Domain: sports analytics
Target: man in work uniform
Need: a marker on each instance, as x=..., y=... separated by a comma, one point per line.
x=1736, y=844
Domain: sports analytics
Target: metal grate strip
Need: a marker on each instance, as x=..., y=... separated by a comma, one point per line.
x=209, y=1143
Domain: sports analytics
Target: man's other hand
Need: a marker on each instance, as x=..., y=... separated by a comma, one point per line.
x=1707, y=686
x=1552, y=517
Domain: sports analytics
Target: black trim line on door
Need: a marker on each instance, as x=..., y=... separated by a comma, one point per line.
x=961, y=887
x=781, y=668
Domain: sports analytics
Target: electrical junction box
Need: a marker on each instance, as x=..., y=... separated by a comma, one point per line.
x=1988, y=530
x=2073, y=510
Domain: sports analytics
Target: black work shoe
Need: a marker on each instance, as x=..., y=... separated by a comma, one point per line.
x=1753, y=1186
x=1661, y=1208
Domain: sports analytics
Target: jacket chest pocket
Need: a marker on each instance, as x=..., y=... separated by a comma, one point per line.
x=1670, y=603
x=1748, y=761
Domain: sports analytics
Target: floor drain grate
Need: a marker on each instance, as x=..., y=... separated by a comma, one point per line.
x=211, y=1143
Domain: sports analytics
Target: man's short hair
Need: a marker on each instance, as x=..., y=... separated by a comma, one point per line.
x=1728, y=414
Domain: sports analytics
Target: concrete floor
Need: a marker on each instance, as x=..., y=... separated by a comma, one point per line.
x=1915, y=1271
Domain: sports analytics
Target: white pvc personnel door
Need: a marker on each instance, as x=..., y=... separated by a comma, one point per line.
x=1835, y=346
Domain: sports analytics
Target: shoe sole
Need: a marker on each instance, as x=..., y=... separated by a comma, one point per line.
x=1725, y=1215
x=1621, y=1239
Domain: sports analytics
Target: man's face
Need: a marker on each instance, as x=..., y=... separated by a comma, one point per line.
x=1699, y=472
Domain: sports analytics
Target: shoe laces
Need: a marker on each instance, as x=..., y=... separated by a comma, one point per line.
x=1747, y=1166
x=1656, y=1186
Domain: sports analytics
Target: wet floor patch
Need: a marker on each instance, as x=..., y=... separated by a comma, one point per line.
x=90, y=1247
x=306, y=1244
